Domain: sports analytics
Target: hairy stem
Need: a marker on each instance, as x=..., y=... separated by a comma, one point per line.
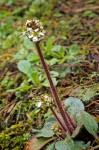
x=69, y=125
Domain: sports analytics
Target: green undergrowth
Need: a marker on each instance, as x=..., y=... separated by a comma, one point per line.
x=71, y=51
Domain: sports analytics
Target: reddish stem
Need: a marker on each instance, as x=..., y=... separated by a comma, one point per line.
x=69, y=125
x=59, y=120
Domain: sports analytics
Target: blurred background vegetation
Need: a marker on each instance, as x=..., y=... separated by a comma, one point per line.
x=71, y=49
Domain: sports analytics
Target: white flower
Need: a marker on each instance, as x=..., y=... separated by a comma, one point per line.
x=41, y=33
x=41, y=27
x=36, y=30
x=27, y=22
x=35, y=39
x=39, y=104
x=29, y=29
x=30, y=36
x=33, y=29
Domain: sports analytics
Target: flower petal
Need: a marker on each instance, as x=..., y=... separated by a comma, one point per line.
x=28, y=21
x=35, y=39
x=30, y=36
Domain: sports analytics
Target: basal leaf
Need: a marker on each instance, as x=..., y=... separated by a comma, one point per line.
x=67, y=144
x=80, y=145
x=61, y=145
x=24, y=66
x=76, y=131
x=74, y=105
x=89, y=123
x=46, y=130
x=51, y=147
x=70, y=143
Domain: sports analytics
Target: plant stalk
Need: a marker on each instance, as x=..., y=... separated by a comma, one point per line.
x=59, y=121
x=69, y=124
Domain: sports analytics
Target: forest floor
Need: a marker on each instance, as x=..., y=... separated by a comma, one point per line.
x=71, y=49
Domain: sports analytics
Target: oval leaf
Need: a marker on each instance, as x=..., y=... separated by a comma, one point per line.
x=24, y=66
x=67, y=144
x=89, y=123
x=73, y=49
x=77, y=131
x=74, y=105
x=61, y=145
x=46, y=130
x=51, y=147
x=33, y=57
x=80, y=145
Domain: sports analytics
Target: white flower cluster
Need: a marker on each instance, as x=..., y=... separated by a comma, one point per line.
x=34, y=30
x=45, y=100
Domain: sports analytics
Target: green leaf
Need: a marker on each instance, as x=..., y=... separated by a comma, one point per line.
x=55, y=55
x=77, y=131
x=3, y=14
x=63, y=71
x=46, y=130
x=74, y=105
x=70, y=142
x=89, y=13
x=89, y=123
x=28, y=44
x=52, y=61
x=34, y=76
x=58, y=51
x=32, y=57
x=73, y=49
x=49, y=43
x=21, y=88
x=87, y=94
x=51, y=147
x=24, y=66
x=67, y=144
x=80, y=145
x=46, y=83
x=78, y=119
x=54, y=73
x=18, y=11
x=61, y=145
